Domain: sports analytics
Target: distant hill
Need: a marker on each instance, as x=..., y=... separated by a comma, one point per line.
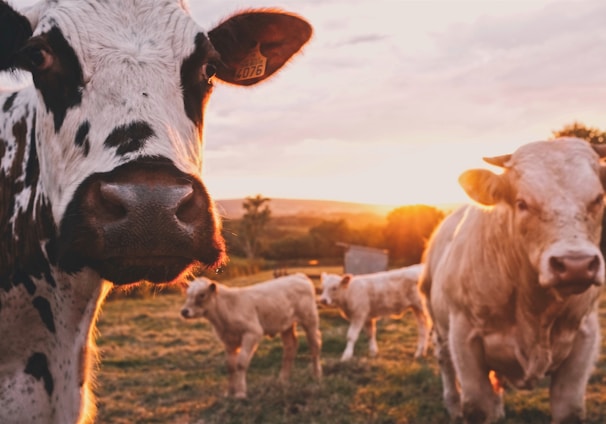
x=232, y=208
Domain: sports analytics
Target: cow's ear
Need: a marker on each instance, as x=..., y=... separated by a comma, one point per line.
x=483, y=186
x=255, y=44
x=212, y=288
x=15, y=30
x=345, y=280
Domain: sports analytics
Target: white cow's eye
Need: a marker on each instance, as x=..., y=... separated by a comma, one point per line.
x=597, y=202
x=521, y=205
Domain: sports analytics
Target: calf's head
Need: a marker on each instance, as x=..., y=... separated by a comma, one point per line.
x=333, y=288
x=120, y=92
x=553, y=193
x=200, y=294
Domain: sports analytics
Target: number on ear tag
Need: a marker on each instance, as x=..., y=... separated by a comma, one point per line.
x=253, y=66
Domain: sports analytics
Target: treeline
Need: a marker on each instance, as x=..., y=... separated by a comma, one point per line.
x=403, y=232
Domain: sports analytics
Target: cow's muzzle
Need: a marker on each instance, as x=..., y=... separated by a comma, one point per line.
x=573, y=274
x=143, y=221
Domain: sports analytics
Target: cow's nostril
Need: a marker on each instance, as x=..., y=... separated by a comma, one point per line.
x=557, y=265
x=594, y=265
x=110, y=202
x=184, y=313
x=189, y=207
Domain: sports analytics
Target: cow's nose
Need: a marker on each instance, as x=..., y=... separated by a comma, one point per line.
x=185, y=313
x=133, y=201
x=570, y=269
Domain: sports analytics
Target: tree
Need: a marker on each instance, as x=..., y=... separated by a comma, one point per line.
x=577, y=129
x=407, y=230
x=253, y=223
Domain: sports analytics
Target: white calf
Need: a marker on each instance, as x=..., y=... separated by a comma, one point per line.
x=364, y=298
x=242, y=316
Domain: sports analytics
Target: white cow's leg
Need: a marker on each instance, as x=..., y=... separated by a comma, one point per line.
x=249, y=345
x=422, y=329
x=452, y=399
x=314, y=340
x=479, y=403
x=371, y=330
x=352, y=336
x=569, y=382
x=290, y=344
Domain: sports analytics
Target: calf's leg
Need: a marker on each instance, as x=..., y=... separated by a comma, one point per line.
x=352, y=337
x=371, y=330
x=422, y=328
x=289, y=345
x=237, y=364
x=314, y=340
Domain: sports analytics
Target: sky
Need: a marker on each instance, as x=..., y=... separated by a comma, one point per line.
x=393, y=99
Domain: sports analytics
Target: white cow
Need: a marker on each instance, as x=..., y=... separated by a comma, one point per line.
x=512, y=286
x=241, y=316
x=363, y=298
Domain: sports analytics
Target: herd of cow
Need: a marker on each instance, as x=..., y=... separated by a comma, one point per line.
x=100, y=164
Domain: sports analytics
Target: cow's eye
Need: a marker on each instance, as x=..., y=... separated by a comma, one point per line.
x=36, y=58
x=521, y=205
x=597, y=202
x=209, y=70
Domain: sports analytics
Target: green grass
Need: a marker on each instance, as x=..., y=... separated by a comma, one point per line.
x=157, y=368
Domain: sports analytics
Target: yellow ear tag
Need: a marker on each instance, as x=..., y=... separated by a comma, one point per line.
x=253, y=66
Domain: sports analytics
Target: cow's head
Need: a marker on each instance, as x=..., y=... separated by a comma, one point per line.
x=121, y=87
x=555, y=193
x=333, y=288
x=200, y=294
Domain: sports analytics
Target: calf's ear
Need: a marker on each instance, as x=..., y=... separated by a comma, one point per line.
x=255, y=44
x=212, y=288
x=483, y=186
x=15, y=30
x=345, y=280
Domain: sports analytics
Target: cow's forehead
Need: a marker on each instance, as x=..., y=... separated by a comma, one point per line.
x=100, y=29
x=562, y=166
x=197, y=286
x=330, y=279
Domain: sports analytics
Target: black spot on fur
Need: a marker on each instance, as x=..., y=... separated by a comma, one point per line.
x=32, y=169
x=129, y=138
x=21, y=277
x=37, y=366
x=45, y=311
x=15, y=29
x=82, y=137
x=8, y=103
x=195, y=90
x=61, y=84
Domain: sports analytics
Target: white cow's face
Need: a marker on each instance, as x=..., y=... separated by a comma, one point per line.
x=333, y=288
x=120, y=91
x=200, y=294
x=555, y=194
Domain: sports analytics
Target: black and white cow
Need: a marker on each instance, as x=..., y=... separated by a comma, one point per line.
x=100, y=164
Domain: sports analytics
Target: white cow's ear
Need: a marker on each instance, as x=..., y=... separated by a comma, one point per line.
x=345, y=280
x=255, y=44
x=483, y=186
x=212, y=288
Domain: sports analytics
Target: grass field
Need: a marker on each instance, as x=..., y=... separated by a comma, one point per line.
x=157, y=368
